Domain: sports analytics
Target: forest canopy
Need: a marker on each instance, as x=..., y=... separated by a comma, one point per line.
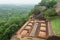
x=12, y=17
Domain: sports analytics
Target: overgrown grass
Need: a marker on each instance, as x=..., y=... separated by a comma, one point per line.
x=55, y=22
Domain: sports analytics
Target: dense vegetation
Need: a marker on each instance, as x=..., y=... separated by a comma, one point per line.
x=45, y=8
x=49, y=13
x=48, y=3
x=12, y=17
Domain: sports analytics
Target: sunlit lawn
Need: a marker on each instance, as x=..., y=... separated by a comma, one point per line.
x=55, y=21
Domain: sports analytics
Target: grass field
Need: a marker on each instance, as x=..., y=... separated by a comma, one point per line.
x=55, y=22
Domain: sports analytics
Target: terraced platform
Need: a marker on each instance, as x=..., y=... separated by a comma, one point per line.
x=34, y=29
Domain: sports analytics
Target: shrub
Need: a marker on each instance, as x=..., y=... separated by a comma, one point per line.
x=36, y=10
x=49, y=12
x=48, y=3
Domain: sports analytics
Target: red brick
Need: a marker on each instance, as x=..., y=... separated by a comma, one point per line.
x=43, y=25
x=24, y=33
x=42, y=34
x=43, y=28
x=28, y=27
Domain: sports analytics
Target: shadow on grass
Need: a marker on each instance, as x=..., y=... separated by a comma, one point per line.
x=53, y=38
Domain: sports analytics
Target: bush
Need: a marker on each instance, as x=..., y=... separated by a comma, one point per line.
x=36, y=10
x=50, y=12
x=48, y=3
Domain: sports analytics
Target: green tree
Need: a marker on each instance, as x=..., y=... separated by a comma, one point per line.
x=49, y=13
x=36, y=10
x=48, y=3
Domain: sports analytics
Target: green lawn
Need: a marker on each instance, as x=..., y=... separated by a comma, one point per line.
x=55, y=22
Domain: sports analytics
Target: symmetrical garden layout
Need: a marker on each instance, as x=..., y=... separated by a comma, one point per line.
x=35, y=29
